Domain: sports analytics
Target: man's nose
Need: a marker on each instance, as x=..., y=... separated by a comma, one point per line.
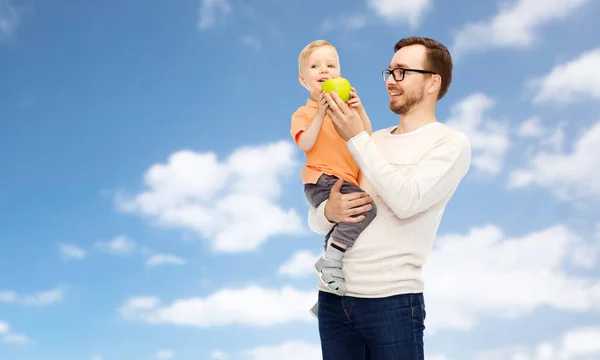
x=390, y=80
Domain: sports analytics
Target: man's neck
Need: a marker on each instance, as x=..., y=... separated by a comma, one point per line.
x=415, y=119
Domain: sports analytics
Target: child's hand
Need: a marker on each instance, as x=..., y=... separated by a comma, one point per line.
x=322, y=105
x=354, y=101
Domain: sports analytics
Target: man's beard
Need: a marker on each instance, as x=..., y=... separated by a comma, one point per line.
x=410, y=100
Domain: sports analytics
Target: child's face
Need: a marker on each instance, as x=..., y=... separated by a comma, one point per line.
x=321, y=65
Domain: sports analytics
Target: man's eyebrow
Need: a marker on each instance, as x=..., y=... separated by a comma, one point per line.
x=398, y=66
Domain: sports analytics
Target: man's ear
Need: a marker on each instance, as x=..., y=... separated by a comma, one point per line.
x=436, y=83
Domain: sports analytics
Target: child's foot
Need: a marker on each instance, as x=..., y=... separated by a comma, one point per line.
x=329, y=268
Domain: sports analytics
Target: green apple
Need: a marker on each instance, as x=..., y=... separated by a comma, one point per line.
x=340, y=85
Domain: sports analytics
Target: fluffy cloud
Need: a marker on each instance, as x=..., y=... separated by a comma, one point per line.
x=9, y=19
x=212, y=11
x=251, y=42
x=345, y=22
x=9, y=337
x=574, y=81
x=230, y=203
x=485, y=273
x=502, y=276
x=165, y=354
x=514, y=25
x=410, y=11
x=489, y=138
x=164, y=259
x=289, y=350
x=577, y=344
x=261, y=307
x=71, y=252
x=218, y=355
x=567, y=174
x=531, y=128
x=120, y=245
x=41, y=298
x=300, y=265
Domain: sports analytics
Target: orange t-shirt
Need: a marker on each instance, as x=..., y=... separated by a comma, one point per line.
x=330, y=154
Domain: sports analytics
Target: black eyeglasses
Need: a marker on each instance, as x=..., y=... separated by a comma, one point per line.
x=398, y=73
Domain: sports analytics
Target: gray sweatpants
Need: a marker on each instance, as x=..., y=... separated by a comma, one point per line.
x=344, y=233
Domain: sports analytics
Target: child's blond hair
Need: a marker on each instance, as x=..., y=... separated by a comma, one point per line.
x=308, y=49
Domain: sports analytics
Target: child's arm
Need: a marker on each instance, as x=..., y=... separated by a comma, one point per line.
x=307, y=139
x=355, y=103
x=366, y=121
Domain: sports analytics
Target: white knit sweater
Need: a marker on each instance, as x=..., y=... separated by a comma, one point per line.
x=410, y=177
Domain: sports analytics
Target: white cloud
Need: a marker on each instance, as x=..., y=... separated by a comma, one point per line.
x=231, y=203
x=251, y=41
x=566, y=174
x=165, y=354
x=487, y=274
x=16, y=339
x=289, y=350
x=531, y=128
x=10, y=337
x=300, y=265
x=96, y=357
x=261, y=307
x=120, y=245
x=9, y=20
x=574, y=81
x=42, y=298
x=409, y=11
x=218, y=355
x=212, y=11
x=514, y=25
x=164, y=259
x=436, y=357
x=577, y=344
x=489, y=138
x=8, y=296
x=344, y=23
x=71, y=252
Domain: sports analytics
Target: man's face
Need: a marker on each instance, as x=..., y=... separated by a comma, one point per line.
x=407, y=93
x=322, y=64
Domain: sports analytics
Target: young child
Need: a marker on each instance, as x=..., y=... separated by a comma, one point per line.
x=327, y=157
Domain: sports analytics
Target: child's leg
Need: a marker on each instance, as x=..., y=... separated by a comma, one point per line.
x=329, y=266
x=343, y=237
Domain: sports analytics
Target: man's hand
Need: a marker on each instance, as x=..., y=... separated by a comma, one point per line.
x=346, y=120
x=346, y=207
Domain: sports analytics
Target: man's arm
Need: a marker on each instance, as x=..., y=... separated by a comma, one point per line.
x=436, y=175
x=317, y=221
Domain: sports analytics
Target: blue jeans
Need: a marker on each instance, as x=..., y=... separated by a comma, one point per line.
x=389, y=328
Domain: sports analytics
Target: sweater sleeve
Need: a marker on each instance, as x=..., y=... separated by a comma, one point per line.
x=438, y=173
x=317, y=221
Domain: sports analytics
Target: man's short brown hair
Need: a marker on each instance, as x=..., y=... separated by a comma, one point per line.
x=438, y=59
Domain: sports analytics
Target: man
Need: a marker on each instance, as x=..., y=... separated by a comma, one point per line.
x=410, y=172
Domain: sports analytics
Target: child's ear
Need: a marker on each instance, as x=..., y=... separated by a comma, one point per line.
x=303, y=82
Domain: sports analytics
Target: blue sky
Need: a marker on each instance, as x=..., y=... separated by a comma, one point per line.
x=151, y=200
